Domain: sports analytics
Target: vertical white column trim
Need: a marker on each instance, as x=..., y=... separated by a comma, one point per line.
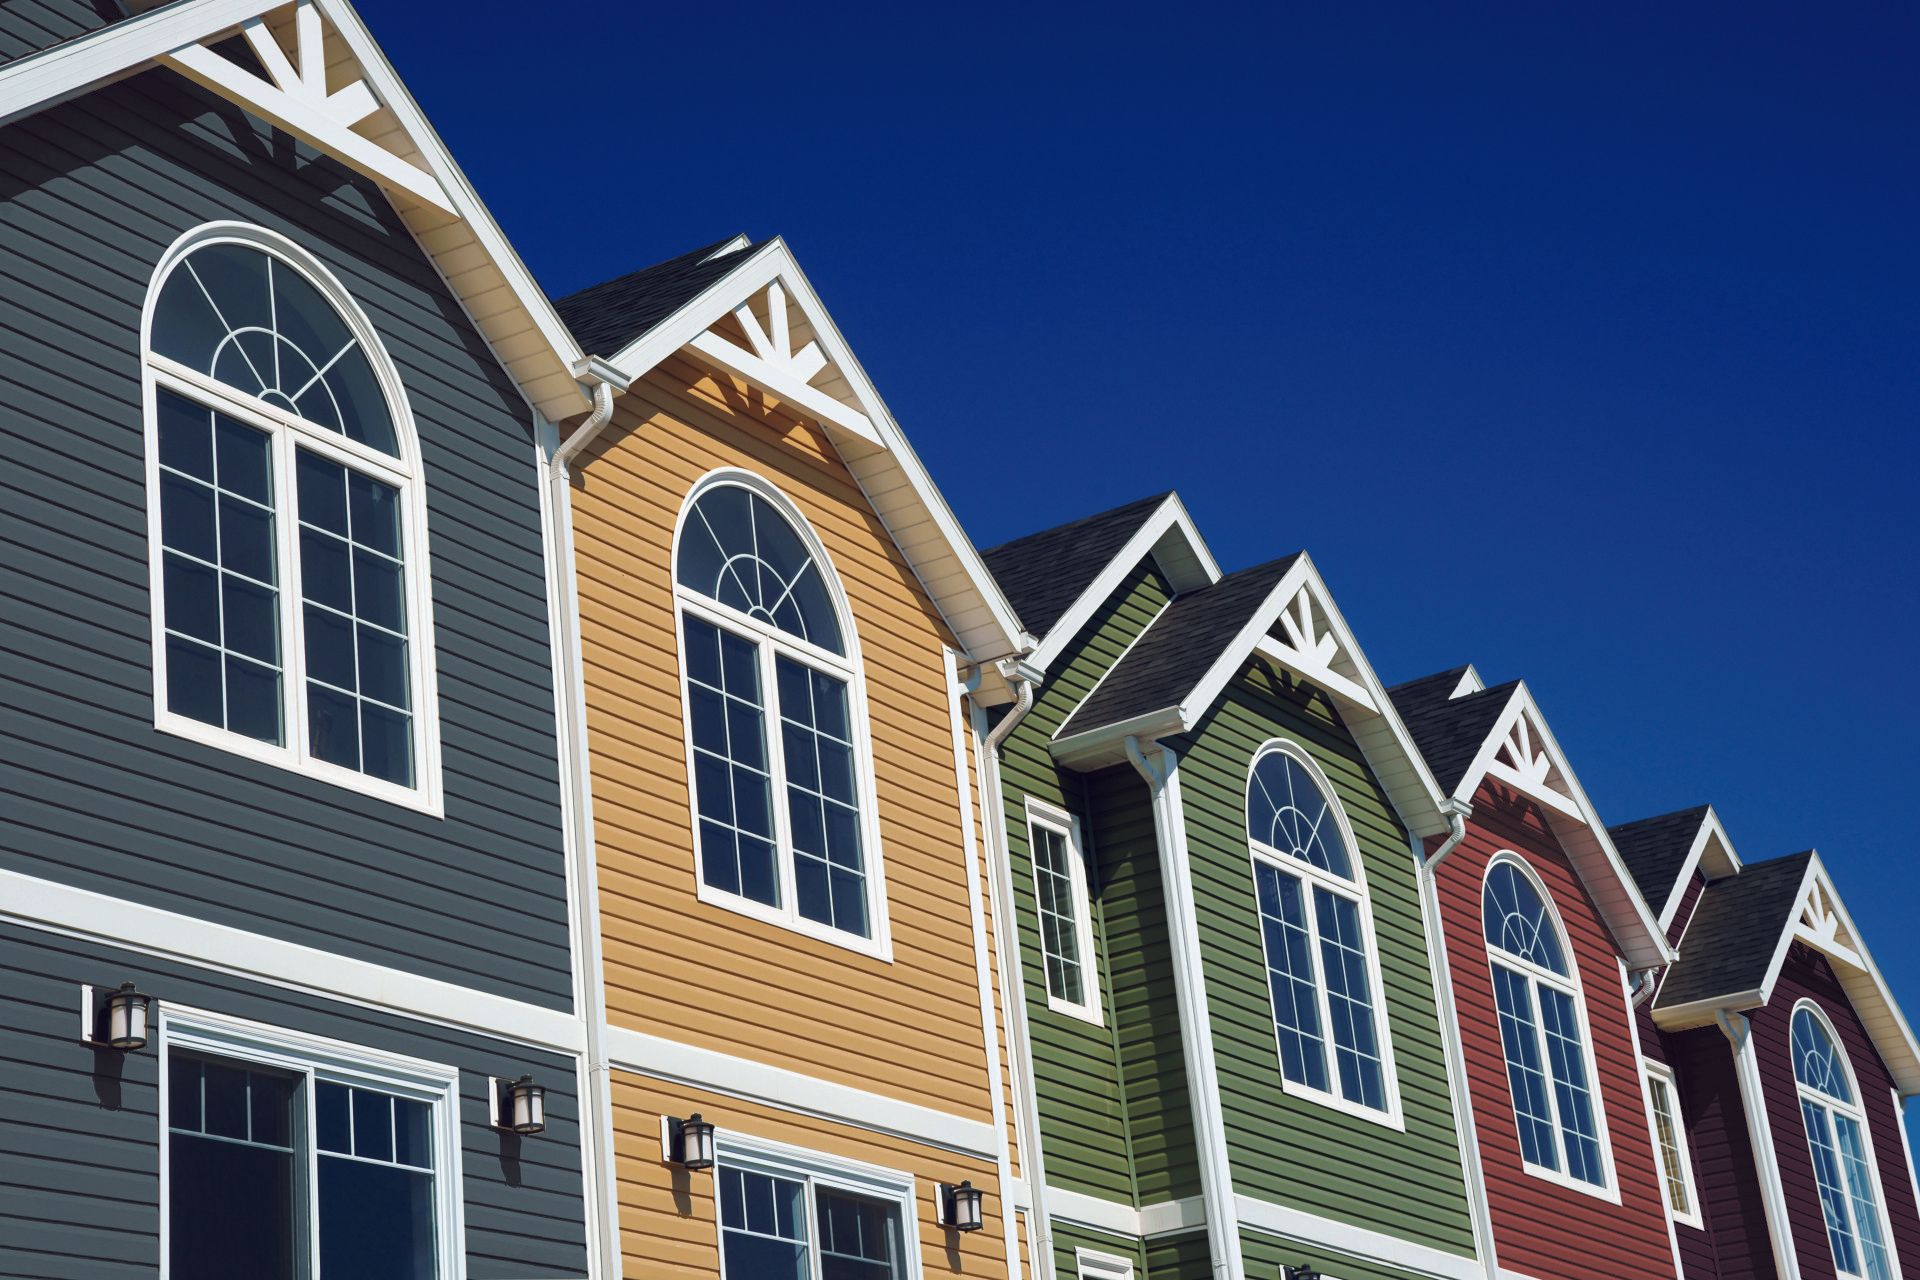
x=1746, y=1067
x=1682, y=1149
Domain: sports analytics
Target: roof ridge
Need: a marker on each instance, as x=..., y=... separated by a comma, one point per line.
x=1067, y=526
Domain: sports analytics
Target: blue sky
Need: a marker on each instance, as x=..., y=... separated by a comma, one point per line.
x=1576, y=342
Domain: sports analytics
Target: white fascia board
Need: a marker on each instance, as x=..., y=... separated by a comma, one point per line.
x=107, y=921
x=1169, y=519
x=1642, y=938
x=41, y=79
x=1710, y=833
x=788, y=1090
x=1699, y=1013
x=760, y=268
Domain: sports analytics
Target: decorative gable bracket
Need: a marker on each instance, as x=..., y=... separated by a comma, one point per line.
x=1522, y=761
x=1308, y=647
x=1819, y=924
x=771, y=363
x=293, y=96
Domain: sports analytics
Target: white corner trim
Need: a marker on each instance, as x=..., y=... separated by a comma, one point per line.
x=1362, y=1243
x=1746, y=1067
x=117, y=922
x=789, y=1090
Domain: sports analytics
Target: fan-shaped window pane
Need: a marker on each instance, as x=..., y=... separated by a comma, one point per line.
x=1517, y=921
x=1288, y=813
x=241, y=316
x=1815, y=1061
x=735, y=547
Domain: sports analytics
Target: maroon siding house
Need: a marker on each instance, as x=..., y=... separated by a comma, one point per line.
x=1542, y=926
x=1787, y=1059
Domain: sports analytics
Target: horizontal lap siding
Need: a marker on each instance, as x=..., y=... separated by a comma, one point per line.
x=79, y=1129
x=1079, y=1086
x=1808, y=976
x=95, y=190
x=1542, y=1228
x=1067, y=1239
x=700, y=973
x=1733, y=1244
x=668, y=1226
x=1266, y=1254
x=1287, y=1149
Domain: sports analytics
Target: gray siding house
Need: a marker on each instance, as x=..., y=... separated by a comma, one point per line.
x=279, y=737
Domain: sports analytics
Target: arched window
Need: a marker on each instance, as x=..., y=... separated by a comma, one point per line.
x=1842, y=1153
x=775, y=719
x=288, y=539
x=1543, y=1029
x=1323, y=969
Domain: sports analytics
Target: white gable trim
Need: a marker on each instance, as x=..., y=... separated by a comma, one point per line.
x=1168, y=528
x=1711, y=833
x=864, y=432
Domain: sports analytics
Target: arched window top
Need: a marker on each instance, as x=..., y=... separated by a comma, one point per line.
x=246, y=317
x=737, y=548
x=1290, y=813
x=1518, y=921
x=1816, y=1058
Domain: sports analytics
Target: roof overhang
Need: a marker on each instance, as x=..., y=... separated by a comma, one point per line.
x=1521, y=754
x=328, y=84
x=795, y=354
x=1299, y=628
x=1821, y=921
x=1170, y=536
x=1711, y=854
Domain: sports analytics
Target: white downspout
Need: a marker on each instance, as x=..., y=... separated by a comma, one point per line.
x=1746, y=1067
x=1013, y=983
x=1426, y=869
x=1196, y=1023
x=596, y=1122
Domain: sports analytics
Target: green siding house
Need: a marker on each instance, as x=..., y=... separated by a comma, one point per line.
x=1235, y=1060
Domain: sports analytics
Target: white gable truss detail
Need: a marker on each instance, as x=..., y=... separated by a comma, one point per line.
x=807, y=365
x=1818, y=924
x=1308, y=647
x=1521, y=753
x=328, y=84
x=295, y=98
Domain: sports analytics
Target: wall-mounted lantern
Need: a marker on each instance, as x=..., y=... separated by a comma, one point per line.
x=687, y=1143
x=520, y=1106
x=118, y=1022
x=1304, y=1271
x=960, y=1206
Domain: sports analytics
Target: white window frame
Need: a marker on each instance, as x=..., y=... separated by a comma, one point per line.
x=286, y=431
x=1660, y=1076
x=1354, y=890
x=320, y=1058
x=770, y=642
x=1855, y=1111
x=1092, y=1264
x=1537, y=976
x=1052, y=818
x=733, y=1149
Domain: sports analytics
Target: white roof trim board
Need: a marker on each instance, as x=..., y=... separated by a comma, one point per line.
x=1711, y=838
x=1341, y=669
x=830, y=386
x=1171, y=538
x=375, y=128
x=1521, y=753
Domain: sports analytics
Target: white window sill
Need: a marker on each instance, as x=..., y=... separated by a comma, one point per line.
x=426, y=799
x=1390, y=1119
x=1608, y=1193
x=1089, y=1014
x=879, y=947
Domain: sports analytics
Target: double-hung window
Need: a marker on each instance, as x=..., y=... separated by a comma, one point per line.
x=1543, y=1031
x=1323, y=971
x=288, y=555
x=775, y=727
x=1843, y=1168
x=292, y=1159
x=1670, y=1144
x=1064, y=910
x=792, y=1216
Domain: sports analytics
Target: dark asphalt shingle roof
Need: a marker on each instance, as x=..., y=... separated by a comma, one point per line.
x=1731, y=939
x=1043, y=573
x=1655, y=849
x=1449, y=731
x=1172, y=655
x=610, y=315
x=34, y=26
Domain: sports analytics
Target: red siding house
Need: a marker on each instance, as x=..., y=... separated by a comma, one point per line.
x=1789, y=1062
x=1546, y=939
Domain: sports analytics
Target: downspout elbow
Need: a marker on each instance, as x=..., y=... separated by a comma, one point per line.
x=1644, y=983
x=596, y=371
x=1022, y=703
x=1456, y=832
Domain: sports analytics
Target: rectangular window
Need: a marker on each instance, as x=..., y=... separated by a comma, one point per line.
x=1670, y=1144
x=790, y=1215
x=1065, y=911
x=1089, y=1264
x=285, y=1161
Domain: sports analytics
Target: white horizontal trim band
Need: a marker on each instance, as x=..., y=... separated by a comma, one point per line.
x=133, y=926
x=1361, y=1242
x=751, y=1081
